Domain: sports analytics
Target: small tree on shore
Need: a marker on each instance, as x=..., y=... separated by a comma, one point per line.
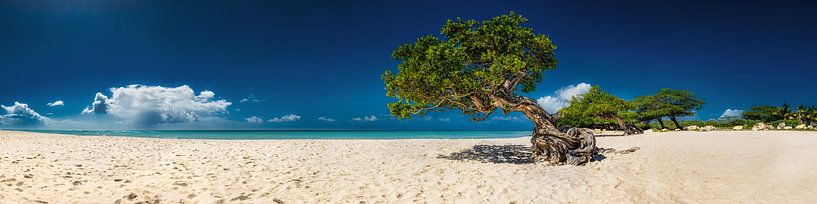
x=763, y=113
x=648, y=108
x=677, y=103
x=803, y=114
x=479, y=67
x=598, y=103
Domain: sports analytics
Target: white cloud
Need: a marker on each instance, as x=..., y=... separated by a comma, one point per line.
x=100, y=105
x=562, y=97
x=322, y=118
x=254, y=119
x=570, y=91
x=286, y=118
x=206, y=94
x=551, y=104
x=150, y=105
x=445, y=119
x=56, y=103
x=20, y=114
x=732, y=113
x=370, y=118
x=250, y=98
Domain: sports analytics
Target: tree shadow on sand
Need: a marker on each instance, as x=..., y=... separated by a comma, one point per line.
x=514, y=154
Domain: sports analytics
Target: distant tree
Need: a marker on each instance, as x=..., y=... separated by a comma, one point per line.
x=648, y=108
x=803, y=114
x=811, y=115
x=598, y=103
x=677, y=103
x=785, y=110
x=479, y=67
x=763, y=113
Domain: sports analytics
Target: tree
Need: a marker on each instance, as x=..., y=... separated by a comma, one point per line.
x=803, y=114
x=598, y=103
x=811, y=115
x=763, y=113
x=678, y=103
x=648, y=108
x=477, y=68
x=785, y=110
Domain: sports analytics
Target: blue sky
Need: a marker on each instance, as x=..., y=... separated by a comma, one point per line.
x=316, y=59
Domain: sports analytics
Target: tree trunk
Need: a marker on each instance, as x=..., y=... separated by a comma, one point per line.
x=677, y=126
x=627, y=128
x=645, y=125
x=576, y=146
x=662, y=123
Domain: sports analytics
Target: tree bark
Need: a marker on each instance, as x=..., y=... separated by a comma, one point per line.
x=627, y=128
x=677, y=126
x=576, y=146
x=662, y=123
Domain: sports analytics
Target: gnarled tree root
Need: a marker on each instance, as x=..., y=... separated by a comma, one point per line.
x=575, y=147
x=632, y=130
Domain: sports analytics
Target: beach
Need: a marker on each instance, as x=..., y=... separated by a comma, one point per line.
x=671, y=167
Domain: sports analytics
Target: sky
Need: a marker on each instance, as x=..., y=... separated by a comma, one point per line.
x=92, y=64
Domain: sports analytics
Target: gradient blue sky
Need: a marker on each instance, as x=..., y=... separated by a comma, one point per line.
x=324, y=58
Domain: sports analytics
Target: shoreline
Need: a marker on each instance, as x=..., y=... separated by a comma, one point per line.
x=269, y=139
x=698, y=167
x=93, y=133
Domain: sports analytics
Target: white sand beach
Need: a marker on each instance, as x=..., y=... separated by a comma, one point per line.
x=673, y=167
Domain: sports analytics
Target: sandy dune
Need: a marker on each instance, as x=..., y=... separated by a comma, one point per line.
x=696, y=167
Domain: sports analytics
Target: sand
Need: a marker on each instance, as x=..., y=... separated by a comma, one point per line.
x=673, y=167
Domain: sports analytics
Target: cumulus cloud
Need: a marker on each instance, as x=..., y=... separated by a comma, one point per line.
x=551, y=104
x=286, y=118
x=561, y=98
x=732, y=113
x=100, y=105
x=56, y=103
x=327, y=119
x=20, y=114
x=370, y=118
x=254, y=119
x=151, y=105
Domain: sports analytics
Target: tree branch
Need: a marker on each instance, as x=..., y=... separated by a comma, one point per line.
x=430, y=108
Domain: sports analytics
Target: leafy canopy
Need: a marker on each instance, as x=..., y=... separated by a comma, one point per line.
x=467, y=67
x=649, y=108
x=596, y=103
x=678, y=102
x=763, y=113
x=667, y=102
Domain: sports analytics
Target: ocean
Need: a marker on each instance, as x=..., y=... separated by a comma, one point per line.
x=293, y=134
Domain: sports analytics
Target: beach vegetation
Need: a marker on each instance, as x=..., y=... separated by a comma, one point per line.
x=479, y=68
x=598, y=105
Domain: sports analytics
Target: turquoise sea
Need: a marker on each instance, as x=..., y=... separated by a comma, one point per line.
x=294, y=134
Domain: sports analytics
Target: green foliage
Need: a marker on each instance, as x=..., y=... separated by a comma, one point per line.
x=596, y=103
x=649, y=108
x=763, y=113
x=771, y=115
x=720, y=123
x=788, y=122
x=803, y=114
x=678, y=102
x=471, y=62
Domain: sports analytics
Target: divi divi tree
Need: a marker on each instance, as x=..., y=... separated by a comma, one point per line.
x=479, y=67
